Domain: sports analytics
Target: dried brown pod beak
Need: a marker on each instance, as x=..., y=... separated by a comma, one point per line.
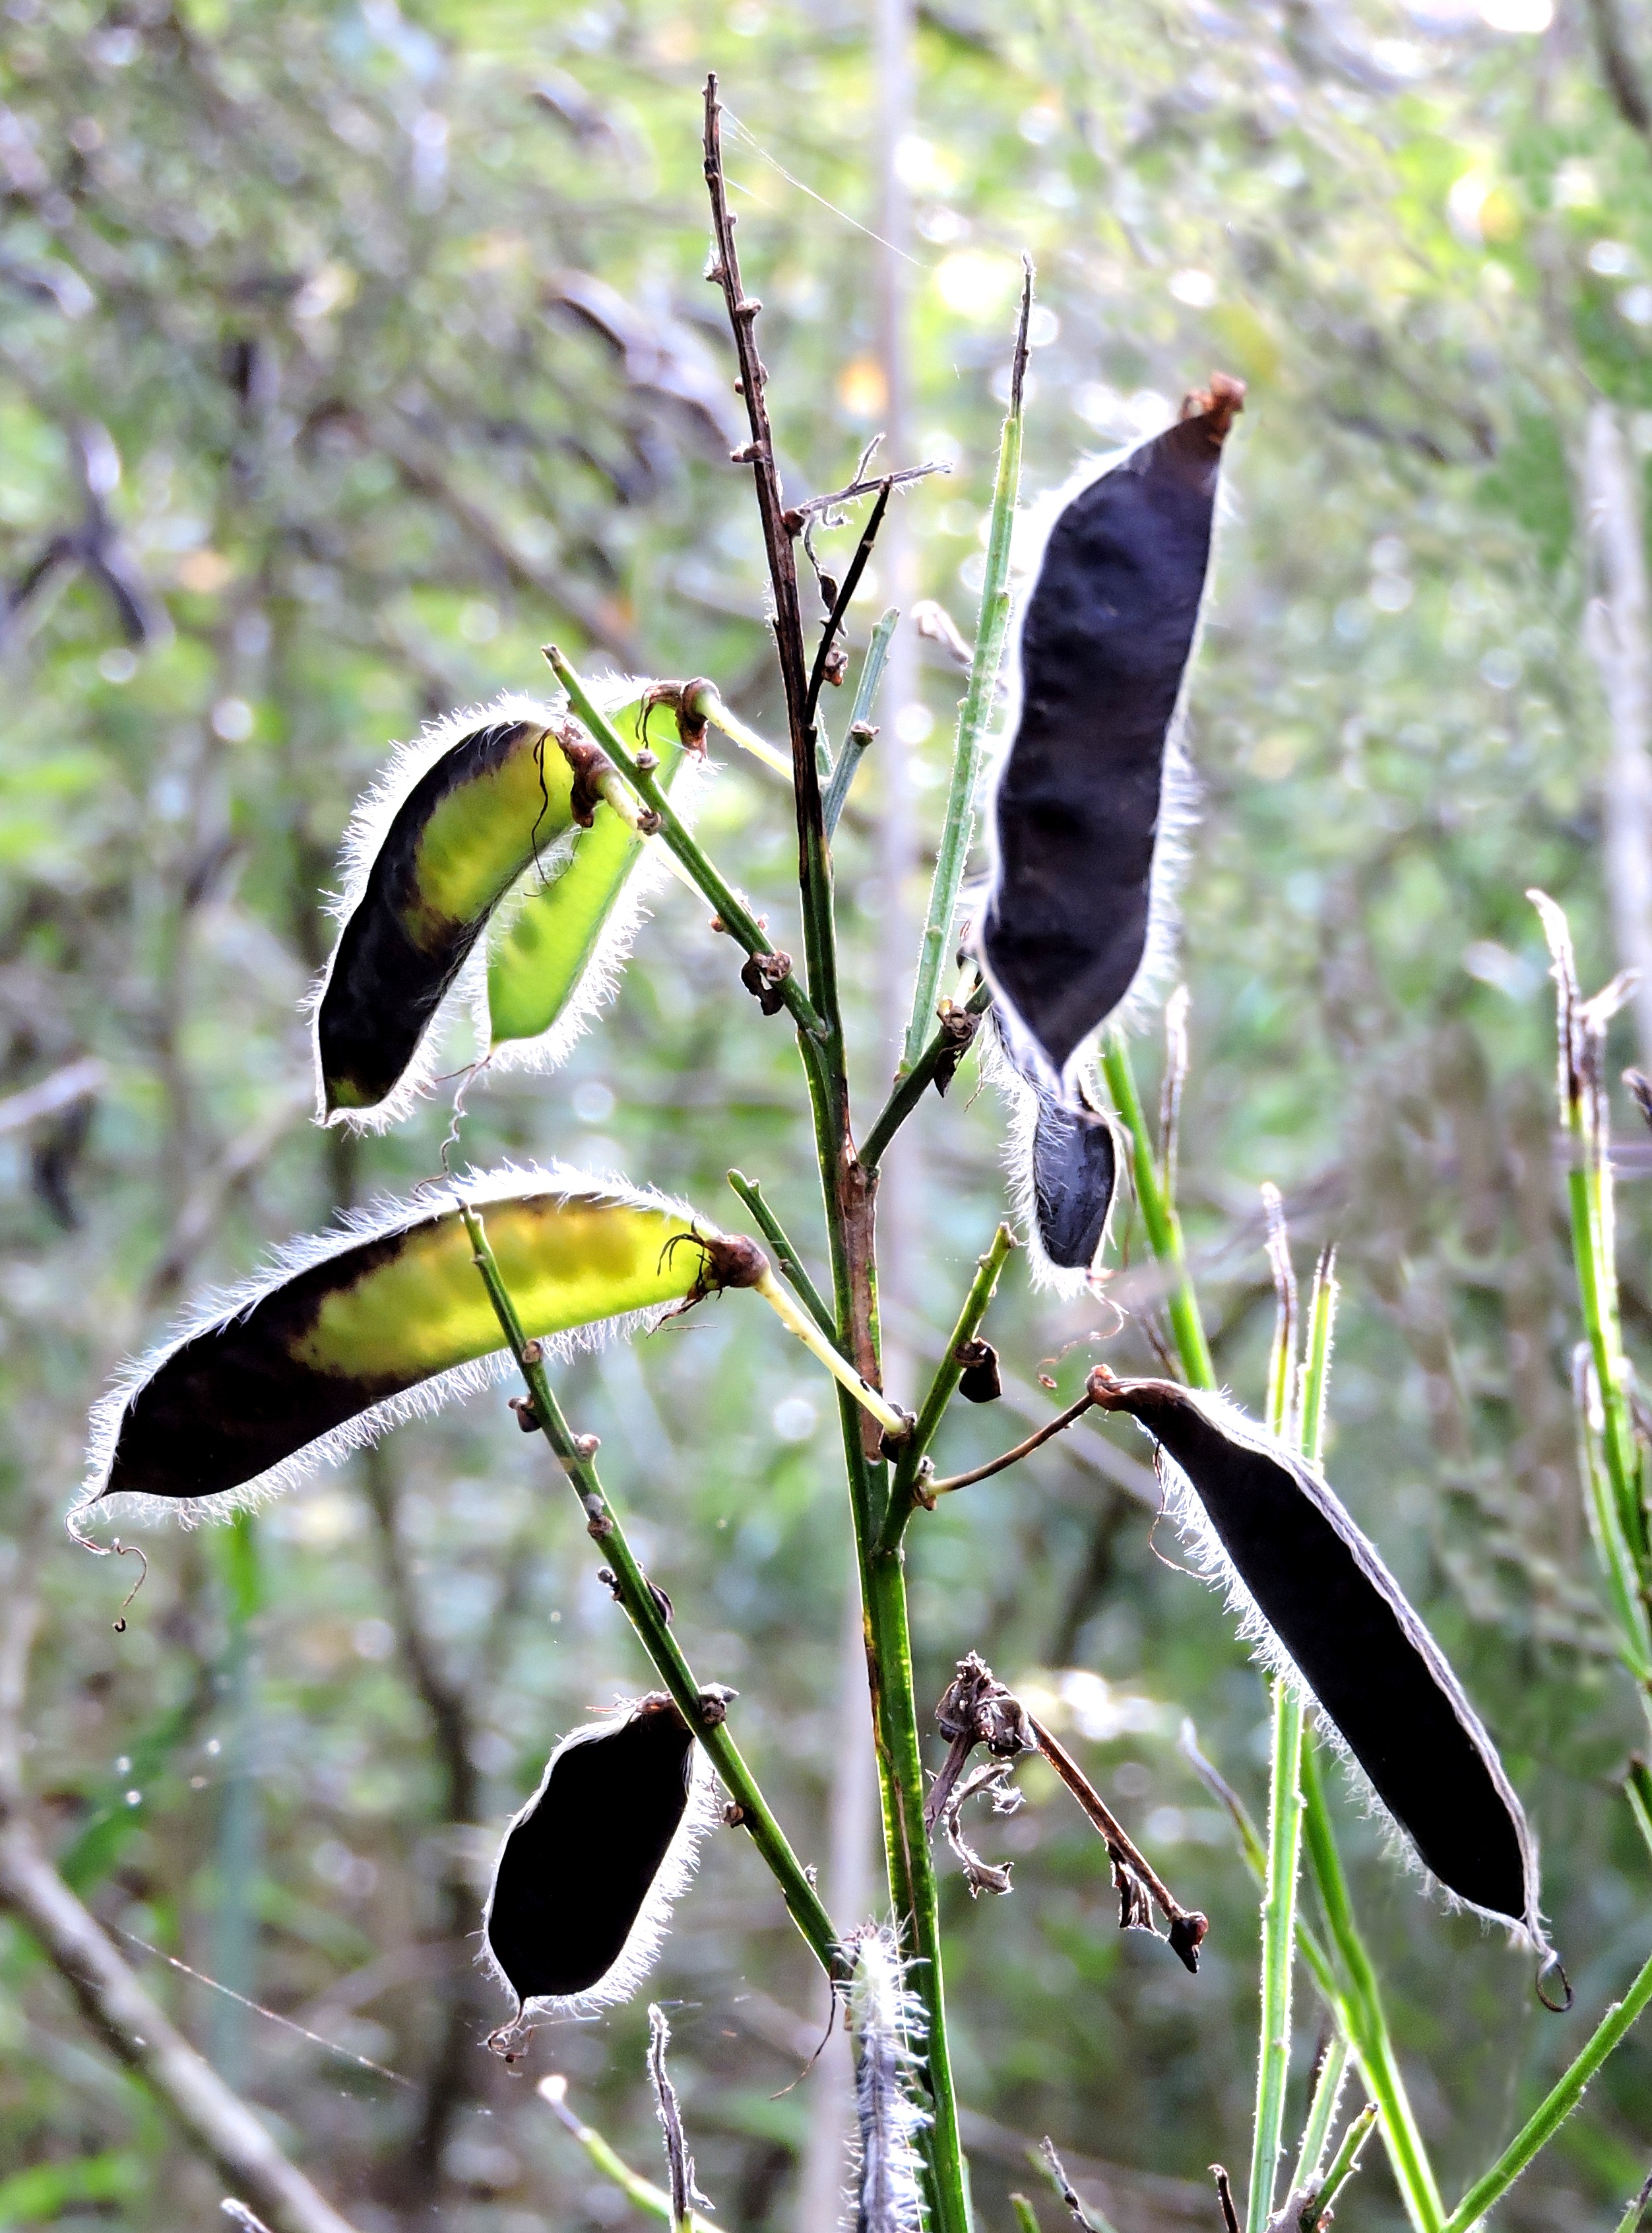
x=1323, y=1606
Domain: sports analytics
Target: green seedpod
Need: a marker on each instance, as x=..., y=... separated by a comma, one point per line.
x=352, y=1330
x=431, y=850
x=556, y=946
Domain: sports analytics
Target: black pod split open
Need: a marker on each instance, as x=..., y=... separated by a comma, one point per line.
x=1105, y=639
x=583, y=1885
x=1340, y=1618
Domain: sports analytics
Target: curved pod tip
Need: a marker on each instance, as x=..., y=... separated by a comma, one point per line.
x=583, y=1886
x=1323, y=1606
x=1077, y=914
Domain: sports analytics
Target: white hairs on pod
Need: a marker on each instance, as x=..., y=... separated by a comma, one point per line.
x=1192, y=1524
x=886, y=2019
x=364, y=836
x=1178, y=790
x=375, y=1221
x=599, y=981
x=703, y=1813
x=1020, y=1099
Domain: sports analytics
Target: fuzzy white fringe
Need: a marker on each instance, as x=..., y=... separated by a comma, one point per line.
x=648, y=1933
x=1192, y=1524
x=886, y=2019
x=1178, y=789
x=375, y=1222
x=1020, y=1099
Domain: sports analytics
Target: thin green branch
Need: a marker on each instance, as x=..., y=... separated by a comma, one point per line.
x=1322, y=2112
x=1026, y=2218
x=786, y=1256
x=731, y=911
x=959, y=828
x=648, y=2197
x=649, y=1618
x=906, y=1491
x=1284, y=1787
x=1159, y=1215
x=1369, y=2031
x=1557, y=2105
x=914, y=1082
x=861, y=731
x=1346, y=2160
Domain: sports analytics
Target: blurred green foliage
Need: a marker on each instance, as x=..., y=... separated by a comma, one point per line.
x=302, y=271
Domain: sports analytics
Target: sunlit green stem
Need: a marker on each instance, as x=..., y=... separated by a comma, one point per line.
x=1546, y=2121
x=1379, y=2065
x=648, y=2197
x=861, y=731
x=1345, y=2162
x=1159, y=1215
x=973, y=714
x=1322, y=2112
x=731, y=912
x=650, y=1620
x=1026, y=2218
x=1589, y=1190
x=1278, y=1935
x=904, y=1491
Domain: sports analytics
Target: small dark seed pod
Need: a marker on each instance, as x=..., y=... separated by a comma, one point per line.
x=1323, y=1604
x=583, y=1889
x=1105, y=640
x=980, y=1381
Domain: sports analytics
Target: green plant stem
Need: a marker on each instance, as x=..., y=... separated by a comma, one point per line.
x=1159, y=1215
x=860, y=732
x=1636, y=2210
x=976, y=711
x=731, y=911
x=646, y=2196
x=1345, y=2162
x=1561, y=2099
x=914, y=1084
x=1026, y=2216
x=648, y=1617
x=1278, y=1935
x=791, y=1263
x=1358, y=2004
x=1321, y=2111
x=1588, y=1198
x=1369, y=2032
x=904, y=1489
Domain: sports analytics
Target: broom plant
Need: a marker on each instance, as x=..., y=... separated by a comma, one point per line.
x=501, y=865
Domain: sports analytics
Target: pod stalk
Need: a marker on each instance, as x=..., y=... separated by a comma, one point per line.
x=894, y=1423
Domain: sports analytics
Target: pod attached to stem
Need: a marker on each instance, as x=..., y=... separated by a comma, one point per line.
x=1324, y=1608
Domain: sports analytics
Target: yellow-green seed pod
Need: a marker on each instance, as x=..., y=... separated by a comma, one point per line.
x=431, y=850
x=356, y=1329
x=556, y=946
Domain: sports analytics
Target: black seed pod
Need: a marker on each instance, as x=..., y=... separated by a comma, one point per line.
x=1062, y=1163
x=583, y=1889
x=1105, y=639
x=1323, y=1605
x=980, y=1381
